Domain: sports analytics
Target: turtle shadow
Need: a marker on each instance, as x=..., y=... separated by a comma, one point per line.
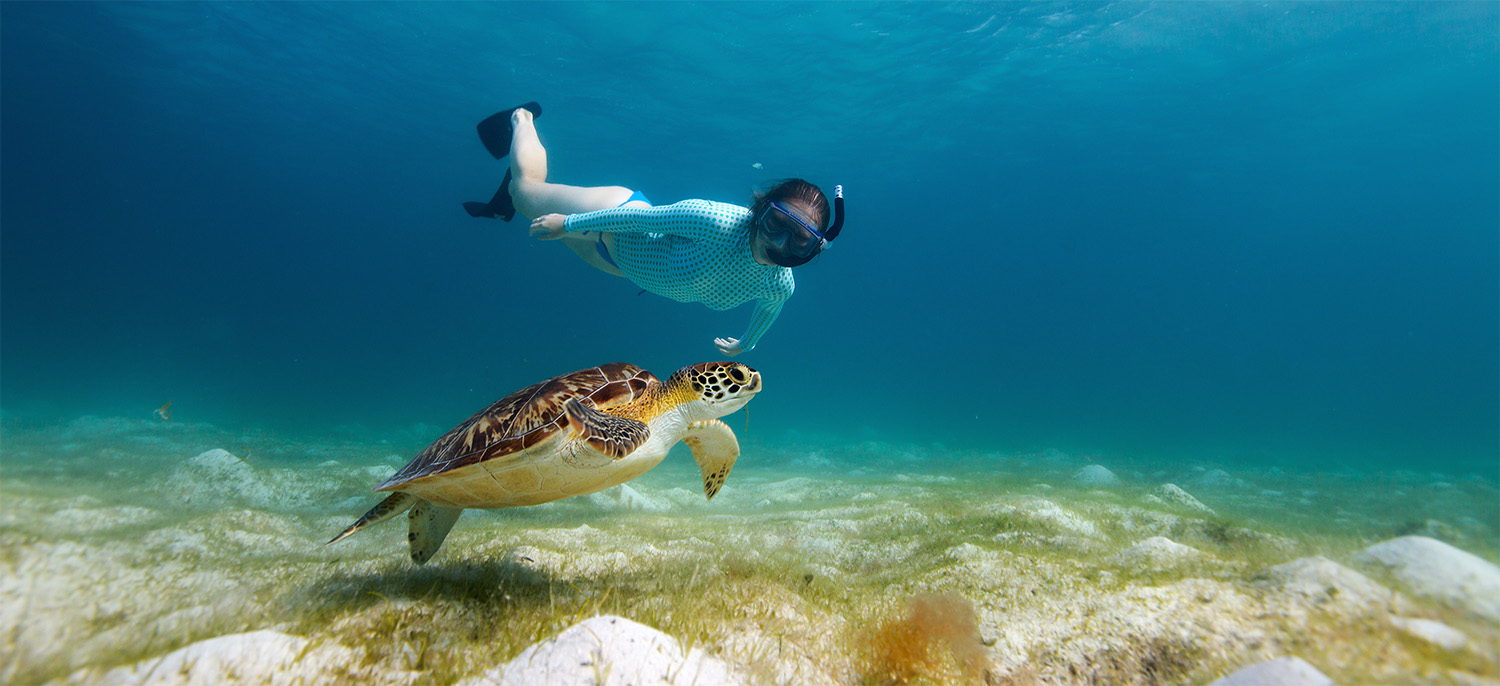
x=476, y=582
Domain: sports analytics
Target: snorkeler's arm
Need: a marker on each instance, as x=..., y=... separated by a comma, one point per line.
x=691, y=218
x=760, y=321
x=779, y=287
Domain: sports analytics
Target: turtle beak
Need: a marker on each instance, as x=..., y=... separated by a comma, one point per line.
x=749, y=387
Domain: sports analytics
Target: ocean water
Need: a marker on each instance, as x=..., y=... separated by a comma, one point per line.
x=1179, y=240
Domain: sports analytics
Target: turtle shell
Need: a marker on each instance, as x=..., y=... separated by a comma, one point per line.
x=524, y=419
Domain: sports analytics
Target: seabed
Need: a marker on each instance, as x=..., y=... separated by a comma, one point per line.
x=122, y=541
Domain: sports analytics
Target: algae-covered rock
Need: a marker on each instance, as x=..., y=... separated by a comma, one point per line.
x=1046, y=515
x=1318, y=581
x=67, y=603
x=1218, y=478
x=1436, y=633
x=216, y=477
x=1159, y=553
x=259, y=657
x=608, y=651
x=1172, y=494
x=1434, y=569
x=1095, y=475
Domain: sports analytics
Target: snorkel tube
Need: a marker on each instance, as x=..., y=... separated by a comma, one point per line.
x=838, y=214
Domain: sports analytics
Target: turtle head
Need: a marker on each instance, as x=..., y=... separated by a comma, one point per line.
x=714, y=389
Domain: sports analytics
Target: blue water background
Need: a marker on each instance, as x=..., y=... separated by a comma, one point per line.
x=1215, y=231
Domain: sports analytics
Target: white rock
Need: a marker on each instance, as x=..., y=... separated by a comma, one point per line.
x=215, y=476
x=1436, y=633
x=1095, y=475
x=379, y=472
x=1218, y=478
x=1283, y=671
x=1158, y=552
x=221, y=464
x=258, y=657
x=1320, y=580
x=608, y=651
x=623, y=497
x=1172, y=494
x=1436, y=570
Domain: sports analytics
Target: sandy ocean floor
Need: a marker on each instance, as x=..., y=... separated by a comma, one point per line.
x=122, y=541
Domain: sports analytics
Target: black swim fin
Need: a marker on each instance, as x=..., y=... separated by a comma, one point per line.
x=494, y=131
x=499, y=207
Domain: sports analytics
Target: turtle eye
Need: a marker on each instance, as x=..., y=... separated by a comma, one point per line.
x=737, y=374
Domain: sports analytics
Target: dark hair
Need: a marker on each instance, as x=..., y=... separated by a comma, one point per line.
x=807, y=197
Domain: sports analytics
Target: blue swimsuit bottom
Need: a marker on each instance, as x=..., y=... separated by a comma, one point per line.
x=599, y=245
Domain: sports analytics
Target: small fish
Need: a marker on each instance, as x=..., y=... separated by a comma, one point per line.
x=165, y=411
x=757, y=165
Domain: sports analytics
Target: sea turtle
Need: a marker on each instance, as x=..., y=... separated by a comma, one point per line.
x=570, y=435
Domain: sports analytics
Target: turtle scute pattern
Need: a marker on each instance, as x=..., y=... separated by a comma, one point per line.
x=525, y=418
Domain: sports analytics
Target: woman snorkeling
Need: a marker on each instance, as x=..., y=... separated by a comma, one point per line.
x=719, y=254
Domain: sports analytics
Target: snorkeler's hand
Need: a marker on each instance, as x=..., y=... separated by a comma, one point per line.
x=729, y=346
x=549, y=227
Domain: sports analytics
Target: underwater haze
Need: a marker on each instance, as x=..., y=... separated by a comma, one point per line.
x=1251, y=231
x=1161, y=343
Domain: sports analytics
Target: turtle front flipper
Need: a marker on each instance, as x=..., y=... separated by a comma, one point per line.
x=614, y=436
x=714, y=449
x=390, y=507
x=430, y=524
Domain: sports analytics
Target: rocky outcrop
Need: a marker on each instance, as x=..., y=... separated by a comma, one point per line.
x=1434, y=569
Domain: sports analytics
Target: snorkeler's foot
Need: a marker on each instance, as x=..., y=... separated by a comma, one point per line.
x=499, y=207
x=494, y=131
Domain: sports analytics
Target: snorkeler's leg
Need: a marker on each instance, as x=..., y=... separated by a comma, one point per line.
x=526, y=190
x=529, y=190
x=528, y=158
x=498, y=135
x=494, y=131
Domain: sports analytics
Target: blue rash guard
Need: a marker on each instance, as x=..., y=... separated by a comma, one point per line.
x=694, y=251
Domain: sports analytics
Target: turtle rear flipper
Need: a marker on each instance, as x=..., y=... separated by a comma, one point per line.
x=430, y=524
x=714, y=449
x=390, y=507
x=614, y=436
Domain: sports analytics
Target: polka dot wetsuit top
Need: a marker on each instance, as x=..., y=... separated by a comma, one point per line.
x=694, y=251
